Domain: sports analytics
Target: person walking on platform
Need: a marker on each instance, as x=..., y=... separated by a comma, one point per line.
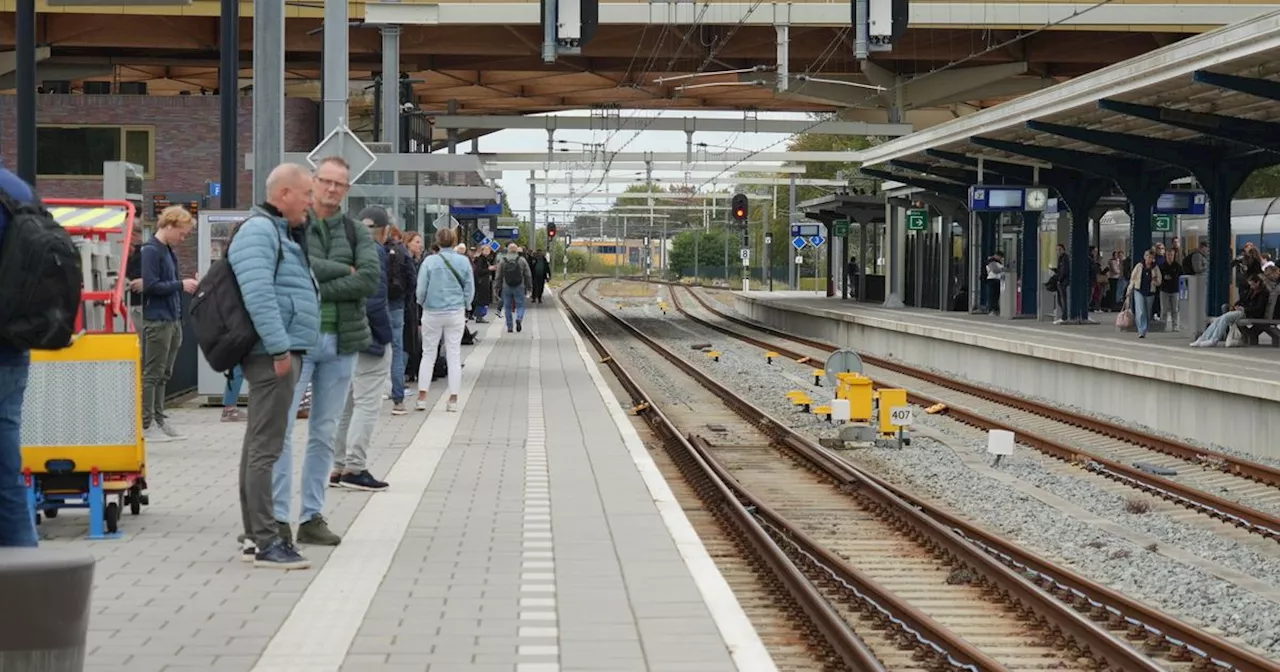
x=364, y=400
x=402, y=279
x=17, y=520
x=482, y=272
x=541, y=270
x=445, y=289
x=344, y=259
x=162, y=290
x=412, y=314
x=1144, y=282
x=515, y=277
x=269, y=260
x=1062, y=282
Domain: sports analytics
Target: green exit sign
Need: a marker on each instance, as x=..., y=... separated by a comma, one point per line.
x=1162, y=223
x=917, y=220
x=842, y=227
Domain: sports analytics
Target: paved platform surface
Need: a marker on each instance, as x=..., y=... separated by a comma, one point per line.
x=529, y=532
x=1173, y=349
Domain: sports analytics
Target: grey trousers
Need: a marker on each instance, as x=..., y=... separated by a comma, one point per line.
x=270, y=398
x=360, y=415
x=160, y=343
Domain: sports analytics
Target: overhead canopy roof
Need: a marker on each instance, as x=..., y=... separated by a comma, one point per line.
x=1165, y=78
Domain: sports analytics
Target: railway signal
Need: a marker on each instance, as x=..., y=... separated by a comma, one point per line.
x=740, y=208
x=551, y=231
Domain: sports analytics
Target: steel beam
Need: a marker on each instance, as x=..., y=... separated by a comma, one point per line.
x=268, y=96
x=745, y=181
x=229, y=103
x=812, y=14
x=952, y=191
x=25, y=64
x=405, y=163
x=1255, y=37
x=680, y=123
x=713, y=167
x=336, y=65
x=1260, y=88
x=1260, y=134
x=852, y=156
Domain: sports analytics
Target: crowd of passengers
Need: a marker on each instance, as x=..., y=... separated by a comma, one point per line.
x=1150, y=288
x=349, y=312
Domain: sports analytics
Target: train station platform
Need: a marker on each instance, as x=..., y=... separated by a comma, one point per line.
x=1226, y=396
x=528, y=532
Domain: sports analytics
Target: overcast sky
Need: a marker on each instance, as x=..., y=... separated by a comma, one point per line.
x=515, y=184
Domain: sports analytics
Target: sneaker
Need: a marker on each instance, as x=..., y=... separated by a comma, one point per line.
x=232, y=415
x=169, y=431
x=285, y=532
x=421, y=405
x=398, y=408
x=316, y=532
x=451, y=406
x=363, y=481
x=519, y=325
x=280, y=555
x=154, y=434
x=335, y=479
x=248, y=550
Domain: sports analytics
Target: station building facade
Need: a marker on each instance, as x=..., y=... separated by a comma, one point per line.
x=174, y=138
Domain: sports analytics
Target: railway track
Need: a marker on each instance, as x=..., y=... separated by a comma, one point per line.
x=936, y=592
x=1105, y=448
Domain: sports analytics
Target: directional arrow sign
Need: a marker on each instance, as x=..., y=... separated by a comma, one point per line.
x=484, y=241
x=842, y=227
x=799, y=242
x=817, y=241
x=342, y=143
x=1162, y=223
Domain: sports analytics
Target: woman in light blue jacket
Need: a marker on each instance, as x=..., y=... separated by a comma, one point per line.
x=445, y=289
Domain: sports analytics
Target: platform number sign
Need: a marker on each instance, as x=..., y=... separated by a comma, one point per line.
x=1162, y=223
x=917, y=220
x=901, y=416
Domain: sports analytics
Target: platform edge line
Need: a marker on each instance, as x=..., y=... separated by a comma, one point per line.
x=301, y=644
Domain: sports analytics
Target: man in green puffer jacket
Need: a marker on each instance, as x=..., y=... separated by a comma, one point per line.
x=345, y=260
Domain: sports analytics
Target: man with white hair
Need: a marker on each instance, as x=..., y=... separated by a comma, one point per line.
x=268, y=257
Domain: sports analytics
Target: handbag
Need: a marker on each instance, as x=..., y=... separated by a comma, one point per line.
x=1124, y=319
x=1235, y=339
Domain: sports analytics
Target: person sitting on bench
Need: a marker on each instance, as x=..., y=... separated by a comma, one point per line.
x=1253, y=305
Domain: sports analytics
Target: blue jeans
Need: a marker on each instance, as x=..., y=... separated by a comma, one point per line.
x=513, y=301
x=331, y=373
x=231, y=396
x=17, y=520
x=1142, y=310
x=1220, y=326
x=398, y=358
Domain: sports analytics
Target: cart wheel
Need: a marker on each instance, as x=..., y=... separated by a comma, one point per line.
x=50, y=513
x=112, y=517
x=135, y=500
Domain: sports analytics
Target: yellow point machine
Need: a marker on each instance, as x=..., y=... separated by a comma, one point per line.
x=81, y=433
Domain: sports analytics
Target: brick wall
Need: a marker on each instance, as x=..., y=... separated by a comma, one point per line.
x=186, y=141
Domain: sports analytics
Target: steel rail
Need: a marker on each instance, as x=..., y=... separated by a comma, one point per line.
x=1258, y=522
x=1102, y=602
x=718, y=495
x=1088, y=637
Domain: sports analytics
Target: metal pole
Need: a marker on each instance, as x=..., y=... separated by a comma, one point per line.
x=25, y=44
x=229, y=103
x=390, y=104
x=726, y=260
x=792, y=278
x=697, y=235
x=336, y=71
x=549, y=31
x=268, y=91
x=533, y=199
x=617, y=251
x=860, y=12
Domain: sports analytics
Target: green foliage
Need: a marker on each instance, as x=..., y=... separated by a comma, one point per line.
x=1263, y=183
x=709, y=246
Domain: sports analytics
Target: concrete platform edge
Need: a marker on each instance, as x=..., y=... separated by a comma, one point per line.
x=740, y=637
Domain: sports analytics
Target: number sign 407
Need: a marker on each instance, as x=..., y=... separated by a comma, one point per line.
x=901, y=416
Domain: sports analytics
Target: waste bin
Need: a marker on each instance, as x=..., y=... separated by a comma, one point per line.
x=45, y=618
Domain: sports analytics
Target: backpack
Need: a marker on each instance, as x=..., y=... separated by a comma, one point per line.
x=511, y=274
x=221, y=323
x=40, y=279
x=395, y=274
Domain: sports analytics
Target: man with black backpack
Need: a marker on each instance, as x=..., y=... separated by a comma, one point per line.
x=514, y=274
x=29, y=244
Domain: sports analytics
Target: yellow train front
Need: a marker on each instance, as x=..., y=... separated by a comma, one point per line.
x=81, y=431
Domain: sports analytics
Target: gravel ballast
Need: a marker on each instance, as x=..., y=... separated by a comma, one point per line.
x=935, y=469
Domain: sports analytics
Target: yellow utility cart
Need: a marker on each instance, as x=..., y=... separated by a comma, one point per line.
x=82, y=414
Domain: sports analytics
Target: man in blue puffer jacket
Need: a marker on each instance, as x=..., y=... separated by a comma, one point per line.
x=364, y=398
x=269, y=259
x=17, y=521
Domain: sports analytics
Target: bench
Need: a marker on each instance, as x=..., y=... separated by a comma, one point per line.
x=1252, y=329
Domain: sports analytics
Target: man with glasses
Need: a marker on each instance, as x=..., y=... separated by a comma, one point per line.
x=345, y=260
